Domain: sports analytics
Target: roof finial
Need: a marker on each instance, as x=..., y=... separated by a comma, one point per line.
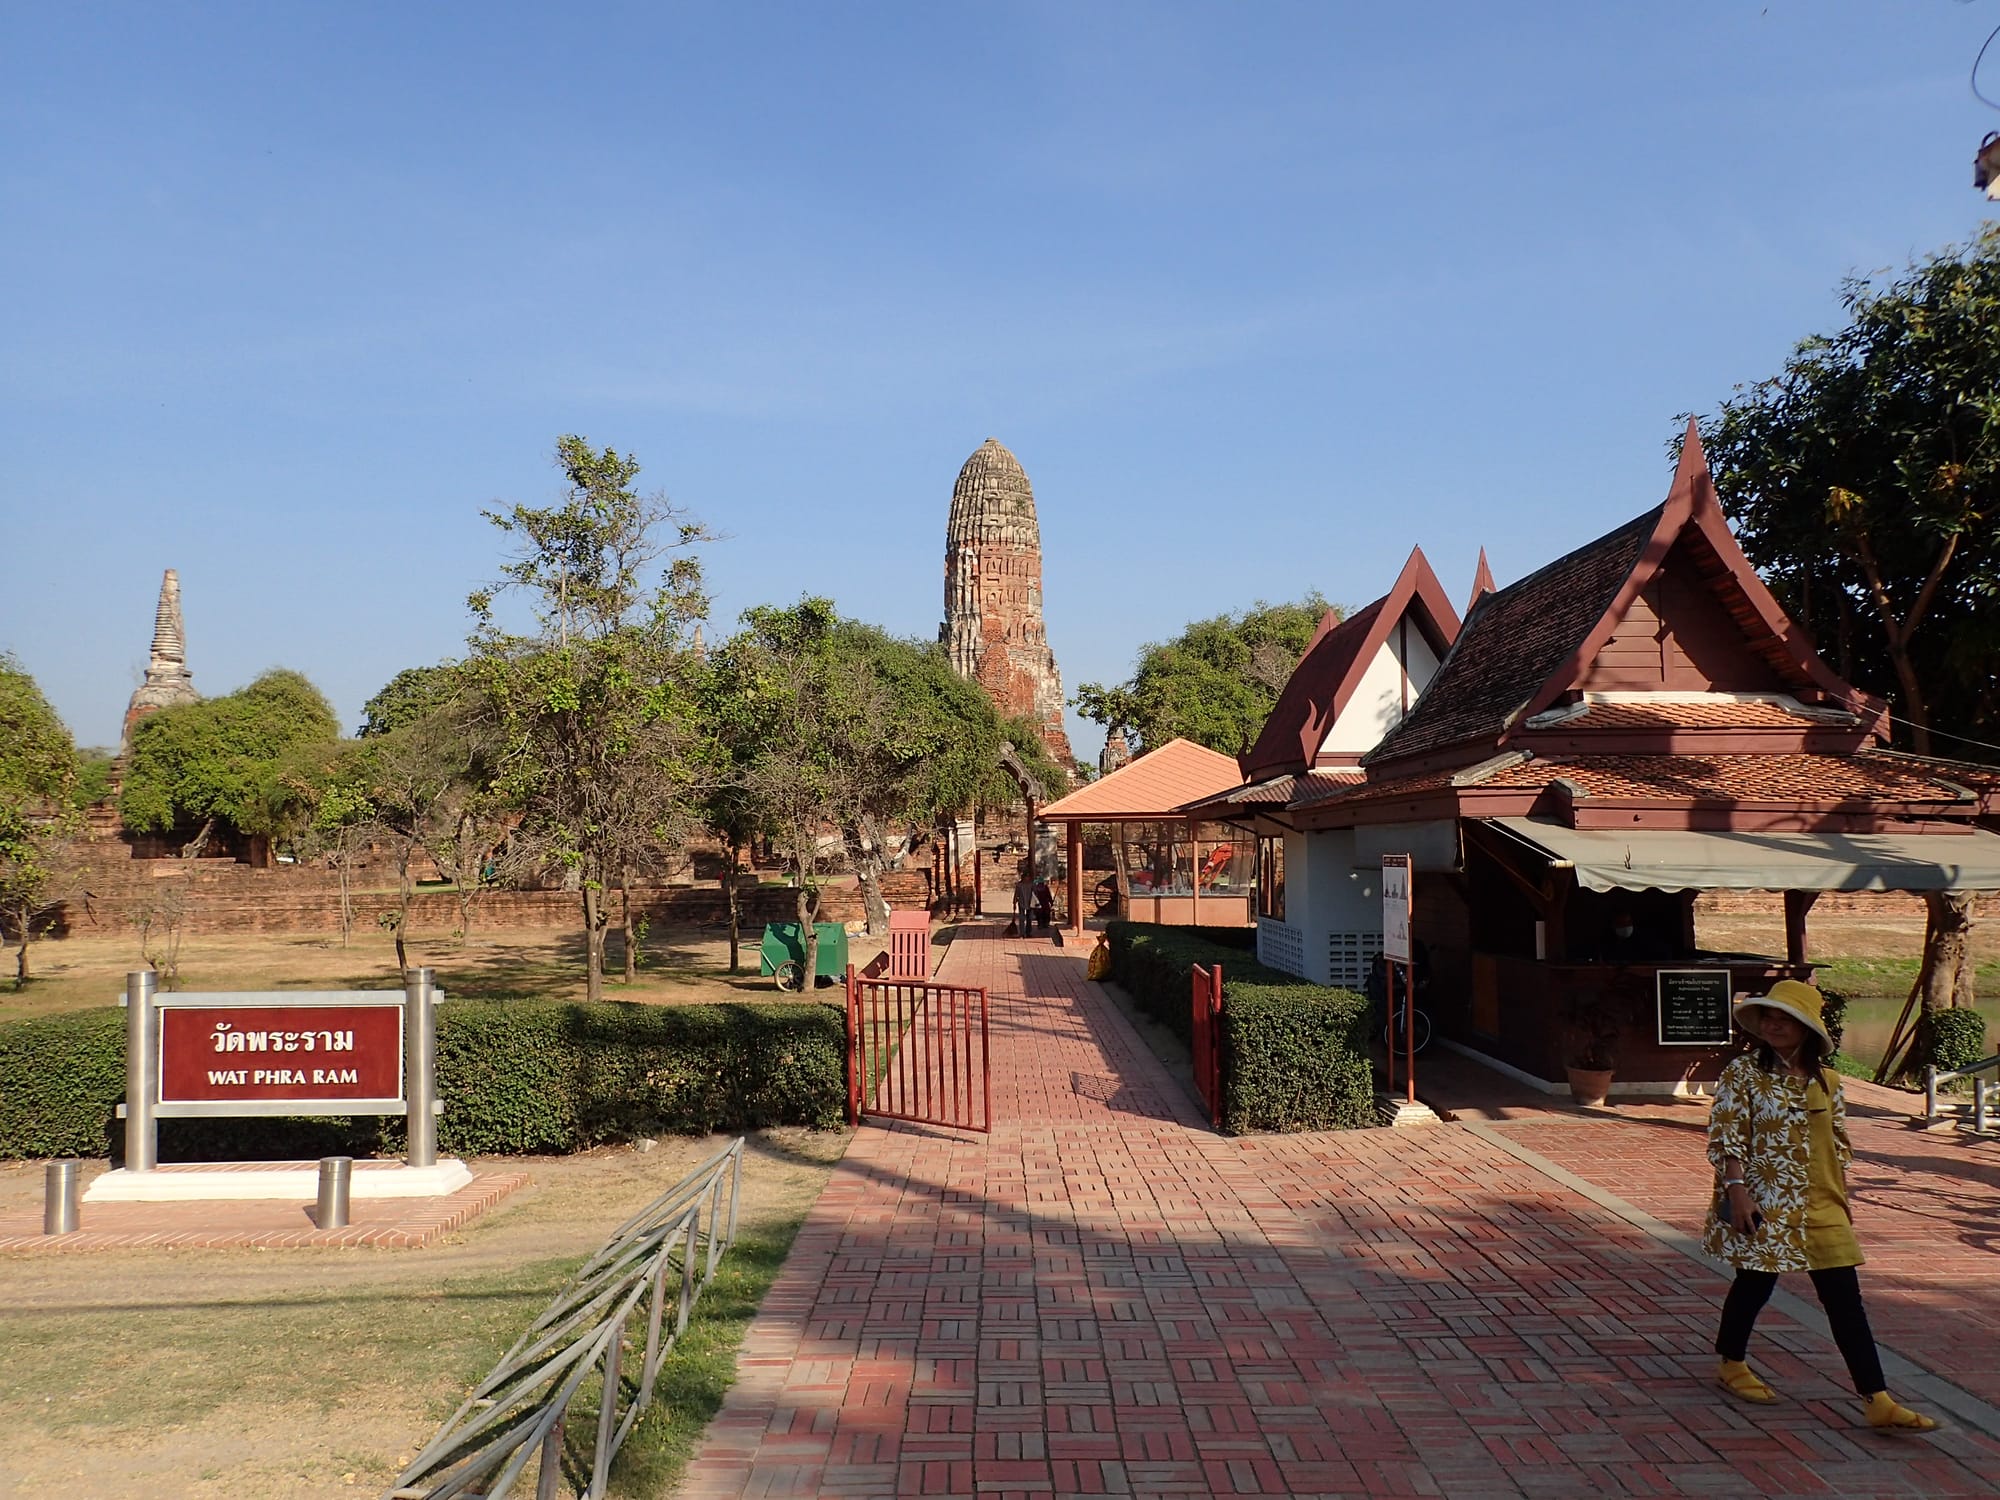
x=1691, y=476
x=1482, y=582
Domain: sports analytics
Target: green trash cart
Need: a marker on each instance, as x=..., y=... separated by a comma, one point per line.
x=782, y=953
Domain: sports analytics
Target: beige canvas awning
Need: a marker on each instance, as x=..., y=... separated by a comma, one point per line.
x=1681, y=860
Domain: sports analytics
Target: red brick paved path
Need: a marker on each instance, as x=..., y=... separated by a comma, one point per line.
x=1927, y=1208
x=1104, y=1298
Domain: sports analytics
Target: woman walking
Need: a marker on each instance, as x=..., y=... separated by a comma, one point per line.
x=1778, y=1139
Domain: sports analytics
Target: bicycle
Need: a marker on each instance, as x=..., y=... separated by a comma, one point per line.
x=1420, y=1030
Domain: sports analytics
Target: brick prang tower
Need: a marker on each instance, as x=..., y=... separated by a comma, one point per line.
x=992, y=627
x=168, y=681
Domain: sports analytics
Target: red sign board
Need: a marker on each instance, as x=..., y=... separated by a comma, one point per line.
x=222, y=1053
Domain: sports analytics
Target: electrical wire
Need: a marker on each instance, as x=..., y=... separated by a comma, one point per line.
x=1991, y=103
x=1940, y=733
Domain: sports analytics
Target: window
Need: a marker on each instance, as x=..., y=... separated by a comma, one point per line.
x=1271, y=878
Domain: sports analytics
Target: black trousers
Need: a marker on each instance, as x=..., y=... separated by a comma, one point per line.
x=1839, y=1293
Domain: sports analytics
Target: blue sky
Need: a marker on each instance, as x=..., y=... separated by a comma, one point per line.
x=1260, y=295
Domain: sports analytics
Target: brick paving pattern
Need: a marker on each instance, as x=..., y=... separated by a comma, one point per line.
x=1926, y=1208
x=260, y=1223
x=1104, y=1298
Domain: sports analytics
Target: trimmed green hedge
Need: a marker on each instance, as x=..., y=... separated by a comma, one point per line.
x=1958, y=1036
x=1833, y=1016
x=516, y=1077
x=1155, y=966
x=1294, y=1055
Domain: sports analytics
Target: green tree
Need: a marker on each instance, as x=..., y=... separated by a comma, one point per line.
x=593, y=712
x=843, y=738
x=325, y=785
x=38, y=817
x=1864, y=483
x=93, y=776
x=1215, y=683
x=412, y=694
x=200, y=767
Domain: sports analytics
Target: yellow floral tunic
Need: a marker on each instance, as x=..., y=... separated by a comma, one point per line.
x=1763, y=1120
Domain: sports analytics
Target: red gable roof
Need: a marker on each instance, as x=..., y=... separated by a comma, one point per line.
x=1327, y=675
x=1523, y=648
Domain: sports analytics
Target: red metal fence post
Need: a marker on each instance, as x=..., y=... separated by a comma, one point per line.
x=1215, y=1046
x=853, y=1049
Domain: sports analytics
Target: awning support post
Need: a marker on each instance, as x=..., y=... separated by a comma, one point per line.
x=1797, y=904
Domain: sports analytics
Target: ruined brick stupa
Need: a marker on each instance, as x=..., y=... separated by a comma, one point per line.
x=168, y=680
x=992, y=627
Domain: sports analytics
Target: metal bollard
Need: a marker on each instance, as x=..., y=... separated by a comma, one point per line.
x=336, y=1177
x=60, y=1203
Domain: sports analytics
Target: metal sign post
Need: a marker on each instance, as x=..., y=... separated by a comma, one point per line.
x=288, y=1053
x=1396, y=949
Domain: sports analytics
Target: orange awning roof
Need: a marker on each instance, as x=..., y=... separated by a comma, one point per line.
x=1152, y=786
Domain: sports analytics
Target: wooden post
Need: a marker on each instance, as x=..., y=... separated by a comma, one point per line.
x=1075, y=877
x=1797, y=904
x=1194, y=875
x=1389, y=1018
x=978, y=882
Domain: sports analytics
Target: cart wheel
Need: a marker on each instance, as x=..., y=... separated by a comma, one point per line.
x=791, y=975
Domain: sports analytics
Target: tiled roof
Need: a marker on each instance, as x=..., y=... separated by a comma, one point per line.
x=1667, y=714
x=1271, y=792
x=1152, y=786
x=1515, y=640
x=1299, y=719
x=1745, y=778
x=1692, y=778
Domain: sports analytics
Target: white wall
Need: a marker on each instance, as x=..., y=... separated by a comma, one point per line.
x=1377, y=705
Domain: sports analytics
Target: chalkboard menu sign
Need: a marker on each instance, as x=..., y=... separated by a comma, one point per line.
x=1694, y=1007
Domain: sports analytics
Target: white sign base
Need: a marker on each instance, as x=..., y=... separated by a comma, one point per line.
x=196, y=1182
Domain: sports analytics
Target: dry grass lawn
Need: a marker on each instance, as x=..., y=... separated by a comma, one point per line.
x=678, y=966
x=318, y=1373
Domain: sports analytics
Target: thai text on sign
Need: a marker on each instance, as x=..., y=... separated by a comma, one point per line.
x=1396, y=907
x=301, y=1053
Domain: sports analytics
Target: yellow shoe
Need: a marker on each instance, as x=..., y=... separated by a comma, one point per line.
x=1740, y=1381
x=1883, y=1411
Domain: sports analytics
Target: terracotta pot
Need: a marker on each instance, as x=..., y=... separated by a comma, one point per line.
x=1589, y=1085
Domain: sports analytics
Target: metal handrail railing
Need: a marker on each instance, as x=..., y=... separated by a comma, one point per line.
x=1933, y=1077
x=516, y=1415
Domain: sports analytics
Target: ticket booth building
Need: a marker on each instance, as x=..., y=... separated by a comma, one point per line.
x=1633, y=724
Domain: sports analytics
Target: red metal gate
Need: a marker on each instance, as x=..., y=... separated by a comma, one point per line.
x=1207, y=1002
x=918, y=1050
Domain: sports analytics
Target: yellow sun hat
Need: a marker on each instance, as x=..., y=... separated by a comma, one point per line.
x=1792, y=997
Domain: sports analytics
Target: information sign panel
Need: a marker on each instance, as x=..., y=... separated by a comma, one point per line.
x=1396, y=907
x=294, y=1054
x=1694, y=1007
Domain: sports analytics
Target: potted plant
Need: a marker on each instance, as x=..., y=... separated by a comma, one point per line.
x=1593, y=1026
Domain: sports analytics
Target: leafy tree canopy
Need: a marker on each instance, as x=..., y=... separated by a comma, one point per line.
x=219, y=761
x=93, y=775
x=592, y=717
x=38, y=818
x=1864, y=483
x=410, y=695
x=1215, y=683
x=833, y=727
x=37, y=755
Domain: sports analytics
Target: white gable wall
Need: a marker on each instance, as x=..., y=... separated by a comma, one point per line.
x=1402, y=669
